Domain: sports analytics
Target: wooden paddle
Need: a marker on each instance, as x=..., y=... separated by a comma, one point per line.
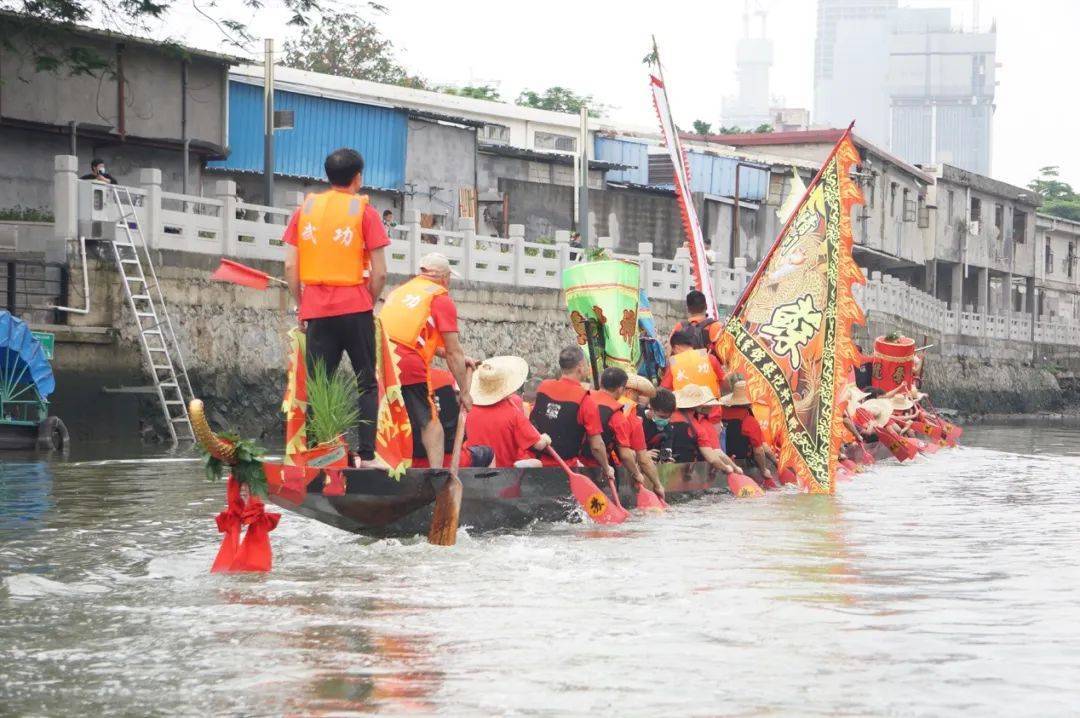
x=444, y=520
x=589, y=496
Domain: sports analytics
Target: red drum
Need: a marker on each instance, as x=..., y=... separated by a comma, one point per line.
x=894, y=362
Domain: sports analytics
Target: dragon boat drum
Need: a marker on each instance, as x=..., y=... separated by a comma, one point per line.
x=894, y=361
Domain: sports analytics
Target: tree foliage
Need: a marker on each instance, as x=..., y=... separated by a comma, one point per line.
x=1059, y=198
x=559, y=99
x=764, y=127
x=43, y=27
x=702, y=128
x=347, y=45
x=477, y=92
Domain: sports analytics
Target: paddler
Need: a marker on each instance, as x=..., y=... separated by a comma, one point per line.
x=639, y=389
x=420, y=319
x=689, y=365
x=656, y=422
x=699, y=328
x=566, y=412
x=335, y=269
x=496, y=420
x=444, y=392
x=693, y=436
x=744, y=440
x=616, y=429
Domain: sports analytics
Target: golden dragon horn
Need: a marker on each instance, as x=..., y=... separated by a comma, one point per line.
x=219, y=448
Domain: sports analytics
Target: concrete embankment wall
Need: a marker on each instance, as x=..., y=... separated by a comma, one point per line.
x=234, y=342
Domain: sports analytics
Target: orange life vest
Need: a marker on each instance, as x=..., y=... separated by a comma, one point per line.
x=406, y=316
x=694, y=367
x=330, y=239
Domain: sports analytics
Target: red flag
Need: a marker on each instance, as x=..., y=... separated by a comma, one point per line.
x=393, y=437
x=230, y=271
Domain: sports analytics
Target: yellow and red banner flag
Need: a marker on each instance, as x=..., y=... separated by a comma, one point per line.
x=393, y=436
x=294, y=405
x=790, y=332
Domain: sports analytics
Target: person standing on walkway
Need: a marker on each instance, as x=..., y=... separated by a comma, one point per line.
x=336, y=270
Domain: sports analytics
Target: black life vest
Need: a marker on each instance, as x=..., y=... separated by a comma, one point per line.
x=684, y=445
x=608, y=407
x=736, y=443
x=555, y=413
x=655, y=437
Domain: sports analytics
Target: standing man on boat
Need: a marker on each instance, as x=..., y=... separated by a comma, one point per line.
x=335, y=269
x=420, y=319
x=566, y=412
x=689, y=365
x=700, y=329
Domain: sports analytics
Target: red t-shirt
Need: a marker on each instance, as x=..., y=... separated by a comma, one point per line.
x=504, y=428
x=751, y=429
x=702, y=429
x=411, y=365
x=635, y=425
x=321, y=300
x=617, y=423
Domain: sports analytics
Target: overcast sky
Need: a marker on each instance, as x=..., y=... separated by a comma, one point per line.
x=596, y=48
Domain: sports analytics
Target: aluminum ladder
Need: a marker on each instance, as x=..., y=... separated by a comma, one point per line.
x=160, y=348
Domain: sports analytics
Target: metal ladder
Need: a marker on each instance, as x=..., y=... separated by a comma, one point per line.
x=161, y=350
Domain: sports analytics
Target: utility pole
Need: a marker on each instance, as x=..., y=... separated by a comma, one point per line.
x=268, y=126
x=583, y=182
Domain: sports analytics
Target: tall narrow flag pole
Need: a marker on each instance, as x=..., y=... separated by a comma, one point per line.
x=699, y=265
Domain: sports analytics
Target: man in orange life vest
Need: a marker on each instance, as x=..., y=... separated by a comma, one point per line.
x=420, y=320
x=335, y=269
x=688, y=365
x=566, y=412
x=702, y=331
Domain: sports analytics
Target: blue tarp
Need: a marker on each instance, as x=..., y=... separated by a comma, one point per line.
x=22, y=358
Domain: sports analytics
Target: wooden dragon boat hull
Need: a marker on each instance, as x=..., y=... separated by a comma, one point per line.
x=373, y=504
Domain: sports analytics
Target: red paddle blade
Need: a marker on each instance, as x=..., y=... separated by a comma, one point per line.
x=513, y=491
x=595, y=502
x=895, y=443
x=230, y=271
x=647, y=499
x=787, y=476
x=743, y=486
x=928, y=447
x=770, y=484
x=849, y=465
x=842, y=474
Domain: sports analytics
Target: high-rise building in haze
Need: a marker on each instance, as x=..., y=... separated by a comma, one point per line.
x=910, y=80
x=753, y=59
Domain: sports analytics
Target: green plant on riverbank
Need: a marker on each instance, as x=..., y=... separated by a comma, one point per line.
x=332, y=398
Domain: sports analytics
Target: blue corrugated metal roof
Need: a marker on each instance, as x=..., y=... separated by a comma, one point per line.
x=716, y=175
x=321, y=126
x=624, y=152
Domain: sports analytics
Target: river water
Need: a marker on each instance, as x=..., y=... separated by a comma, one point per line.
x=940, y=588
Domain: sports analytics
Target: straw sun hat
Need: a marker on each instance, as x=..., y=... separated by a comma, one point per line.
x=638, y=383
x=497, y=378
x=880, y=410
x=694, y=395
x=739, y=396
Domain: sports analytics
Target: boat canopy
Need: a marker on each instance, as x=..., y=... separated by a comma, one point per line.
x=22, y=358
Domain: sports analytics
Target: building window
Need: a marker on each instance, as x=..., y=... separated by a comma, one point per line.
x=950, y=204
x=892, y=199
x=552, y=141
x=1048, y=262
x=924, y=213
x=1070, y=260
x=999, y=221
x=976, y=210
x=1019, y=226
x=871, y=190
x=496, y=134
x=909, y=206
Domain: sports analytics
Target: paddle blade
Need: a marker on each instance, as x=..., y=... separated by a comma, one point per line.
x=444, y=521
x=647, y=499
x=842, y=474
x=595, y=502
x=770, y=484
x=928, y=447
x=787, y=476
x=743, y=486
x=513, y=491
x=230, y=271
x=895, y=443
x=849, y=465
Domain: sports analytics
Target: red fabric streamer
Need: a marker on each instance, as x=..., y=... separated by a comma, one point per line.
x=228, y=523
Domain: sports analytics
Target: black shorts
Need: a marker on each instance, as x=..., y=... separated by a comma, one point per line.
x=421, y=409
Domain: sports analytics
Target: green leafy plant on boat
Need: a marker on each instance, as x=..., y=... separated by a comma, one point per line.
x=248, y=468
x=332, y=399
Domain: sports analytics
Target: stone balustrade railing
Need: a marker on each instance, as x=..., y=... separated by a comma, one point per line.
x=225, y=225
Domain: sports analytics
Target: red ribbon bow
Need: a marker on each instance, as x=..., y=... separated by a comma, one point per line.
x=253, y=553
